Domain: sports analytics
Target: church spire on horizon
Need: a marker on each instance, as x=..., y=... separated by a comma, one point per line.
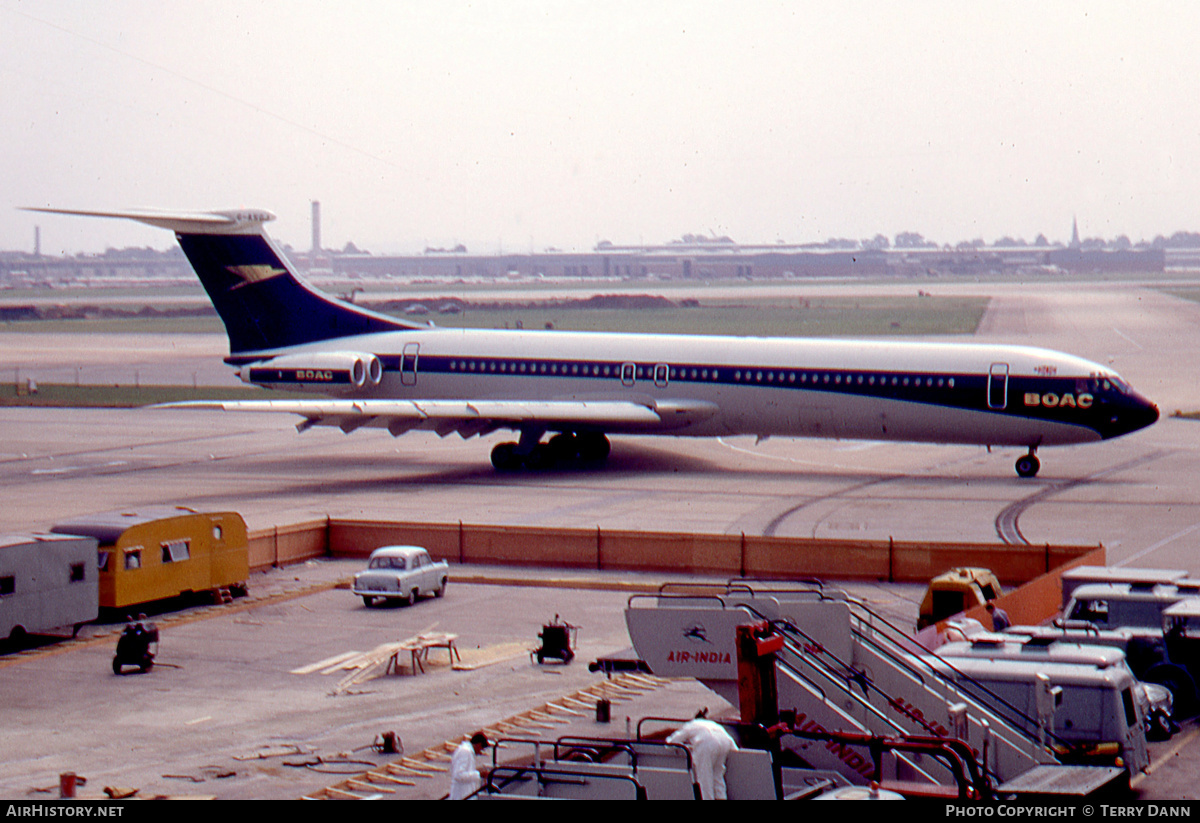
x=1075, y=244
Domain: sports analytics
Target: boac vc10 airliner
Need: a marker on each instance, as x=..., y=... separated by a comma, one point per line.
x=381, y=372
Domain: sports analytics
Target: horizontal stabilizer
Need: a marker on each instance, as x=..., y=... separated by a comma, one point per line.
x=232, y=221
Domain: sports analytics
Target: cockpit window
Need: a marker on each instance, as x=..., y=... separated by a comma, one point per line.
x=1107, y=383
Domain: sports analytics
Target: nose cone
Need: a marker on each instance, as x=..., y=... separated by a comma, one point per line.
x=1132, y=413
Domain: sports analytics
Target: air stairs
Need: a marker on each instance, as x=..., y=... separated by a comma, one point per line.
x=840, y=667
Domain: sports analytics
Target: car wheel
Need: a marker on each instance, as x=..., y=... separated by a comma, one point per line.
x=411, y=600
x=368, y=601
x=116, y=665
x=441, y=589
x=1160, y=727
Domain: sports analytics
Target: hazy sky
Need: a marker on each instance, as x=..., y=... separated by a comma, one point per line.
x=521, y=125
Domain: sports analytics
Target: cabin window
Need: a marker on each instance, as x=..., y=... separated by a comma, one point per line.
x=218, y=535
x=8, y=585
x=1131, y=718
x=1093, y=611
x=947, y=604
x=175, y=551
x=78, y=573
x=102, y=561
x=133, y=558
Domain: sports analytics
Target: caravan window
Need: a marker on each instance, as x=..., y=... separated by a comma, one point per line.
x=77, y=573
x=175, y=551
x=102, y=561
x=8, y=585
x=133, y=558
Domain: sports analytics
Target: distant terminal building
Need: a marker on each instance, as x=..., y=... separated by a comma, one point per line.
x=732, y=261
x=619, y=262
x=673, y=261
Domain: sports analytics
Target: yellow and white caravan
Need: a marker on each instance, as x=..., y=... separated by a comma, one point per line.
x=164, y=551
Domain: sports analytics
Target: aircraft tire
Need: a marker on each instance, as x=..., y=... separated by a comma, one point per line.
x=565, y=446
x=593, y=448
x=504, y=457
x=541, y=458
x=1028, y=466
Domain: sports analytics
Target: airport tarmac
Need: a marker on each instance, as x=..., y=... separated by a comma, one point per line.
x=244, y=700
x=1136, y=495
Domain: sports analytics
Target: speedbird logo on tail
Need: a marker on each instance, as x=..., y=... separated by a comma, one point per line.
x=253, y=273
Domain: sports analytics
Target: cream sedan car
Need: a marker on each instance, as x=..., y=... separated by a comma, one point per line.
x=401, y=573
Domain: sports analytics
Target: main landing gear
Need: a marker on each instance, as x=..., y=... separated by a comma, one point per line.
x=589, y=447
x=1028, y=465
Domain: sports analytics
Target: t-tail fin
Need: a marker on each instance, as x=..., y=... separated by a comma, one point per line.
x=262, y=302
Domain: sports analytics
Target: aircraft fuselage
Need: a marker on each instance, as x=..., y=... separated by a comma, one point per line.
x=858, y=389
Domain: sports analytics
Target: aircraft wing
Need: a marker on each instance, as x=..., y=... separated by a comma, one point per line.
x=468, y=418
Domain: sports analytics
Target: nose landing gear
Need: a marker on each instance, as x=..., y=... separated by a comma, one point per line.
x=1028, y=465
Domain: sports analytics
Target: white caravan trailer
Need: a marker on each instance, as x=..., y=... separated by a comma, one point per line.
x=47, y=581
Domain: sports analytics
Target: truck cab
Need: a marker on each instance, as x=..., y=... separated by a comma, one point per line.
x=1159, y=618
x=956, y=591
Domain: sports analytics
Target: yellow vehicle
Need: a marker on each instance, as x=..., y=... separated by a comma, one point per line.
x=164, y=551
x=956, y=591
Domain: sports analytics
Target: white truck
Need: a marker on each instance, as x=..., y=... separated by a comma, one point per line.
x=401, y=573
